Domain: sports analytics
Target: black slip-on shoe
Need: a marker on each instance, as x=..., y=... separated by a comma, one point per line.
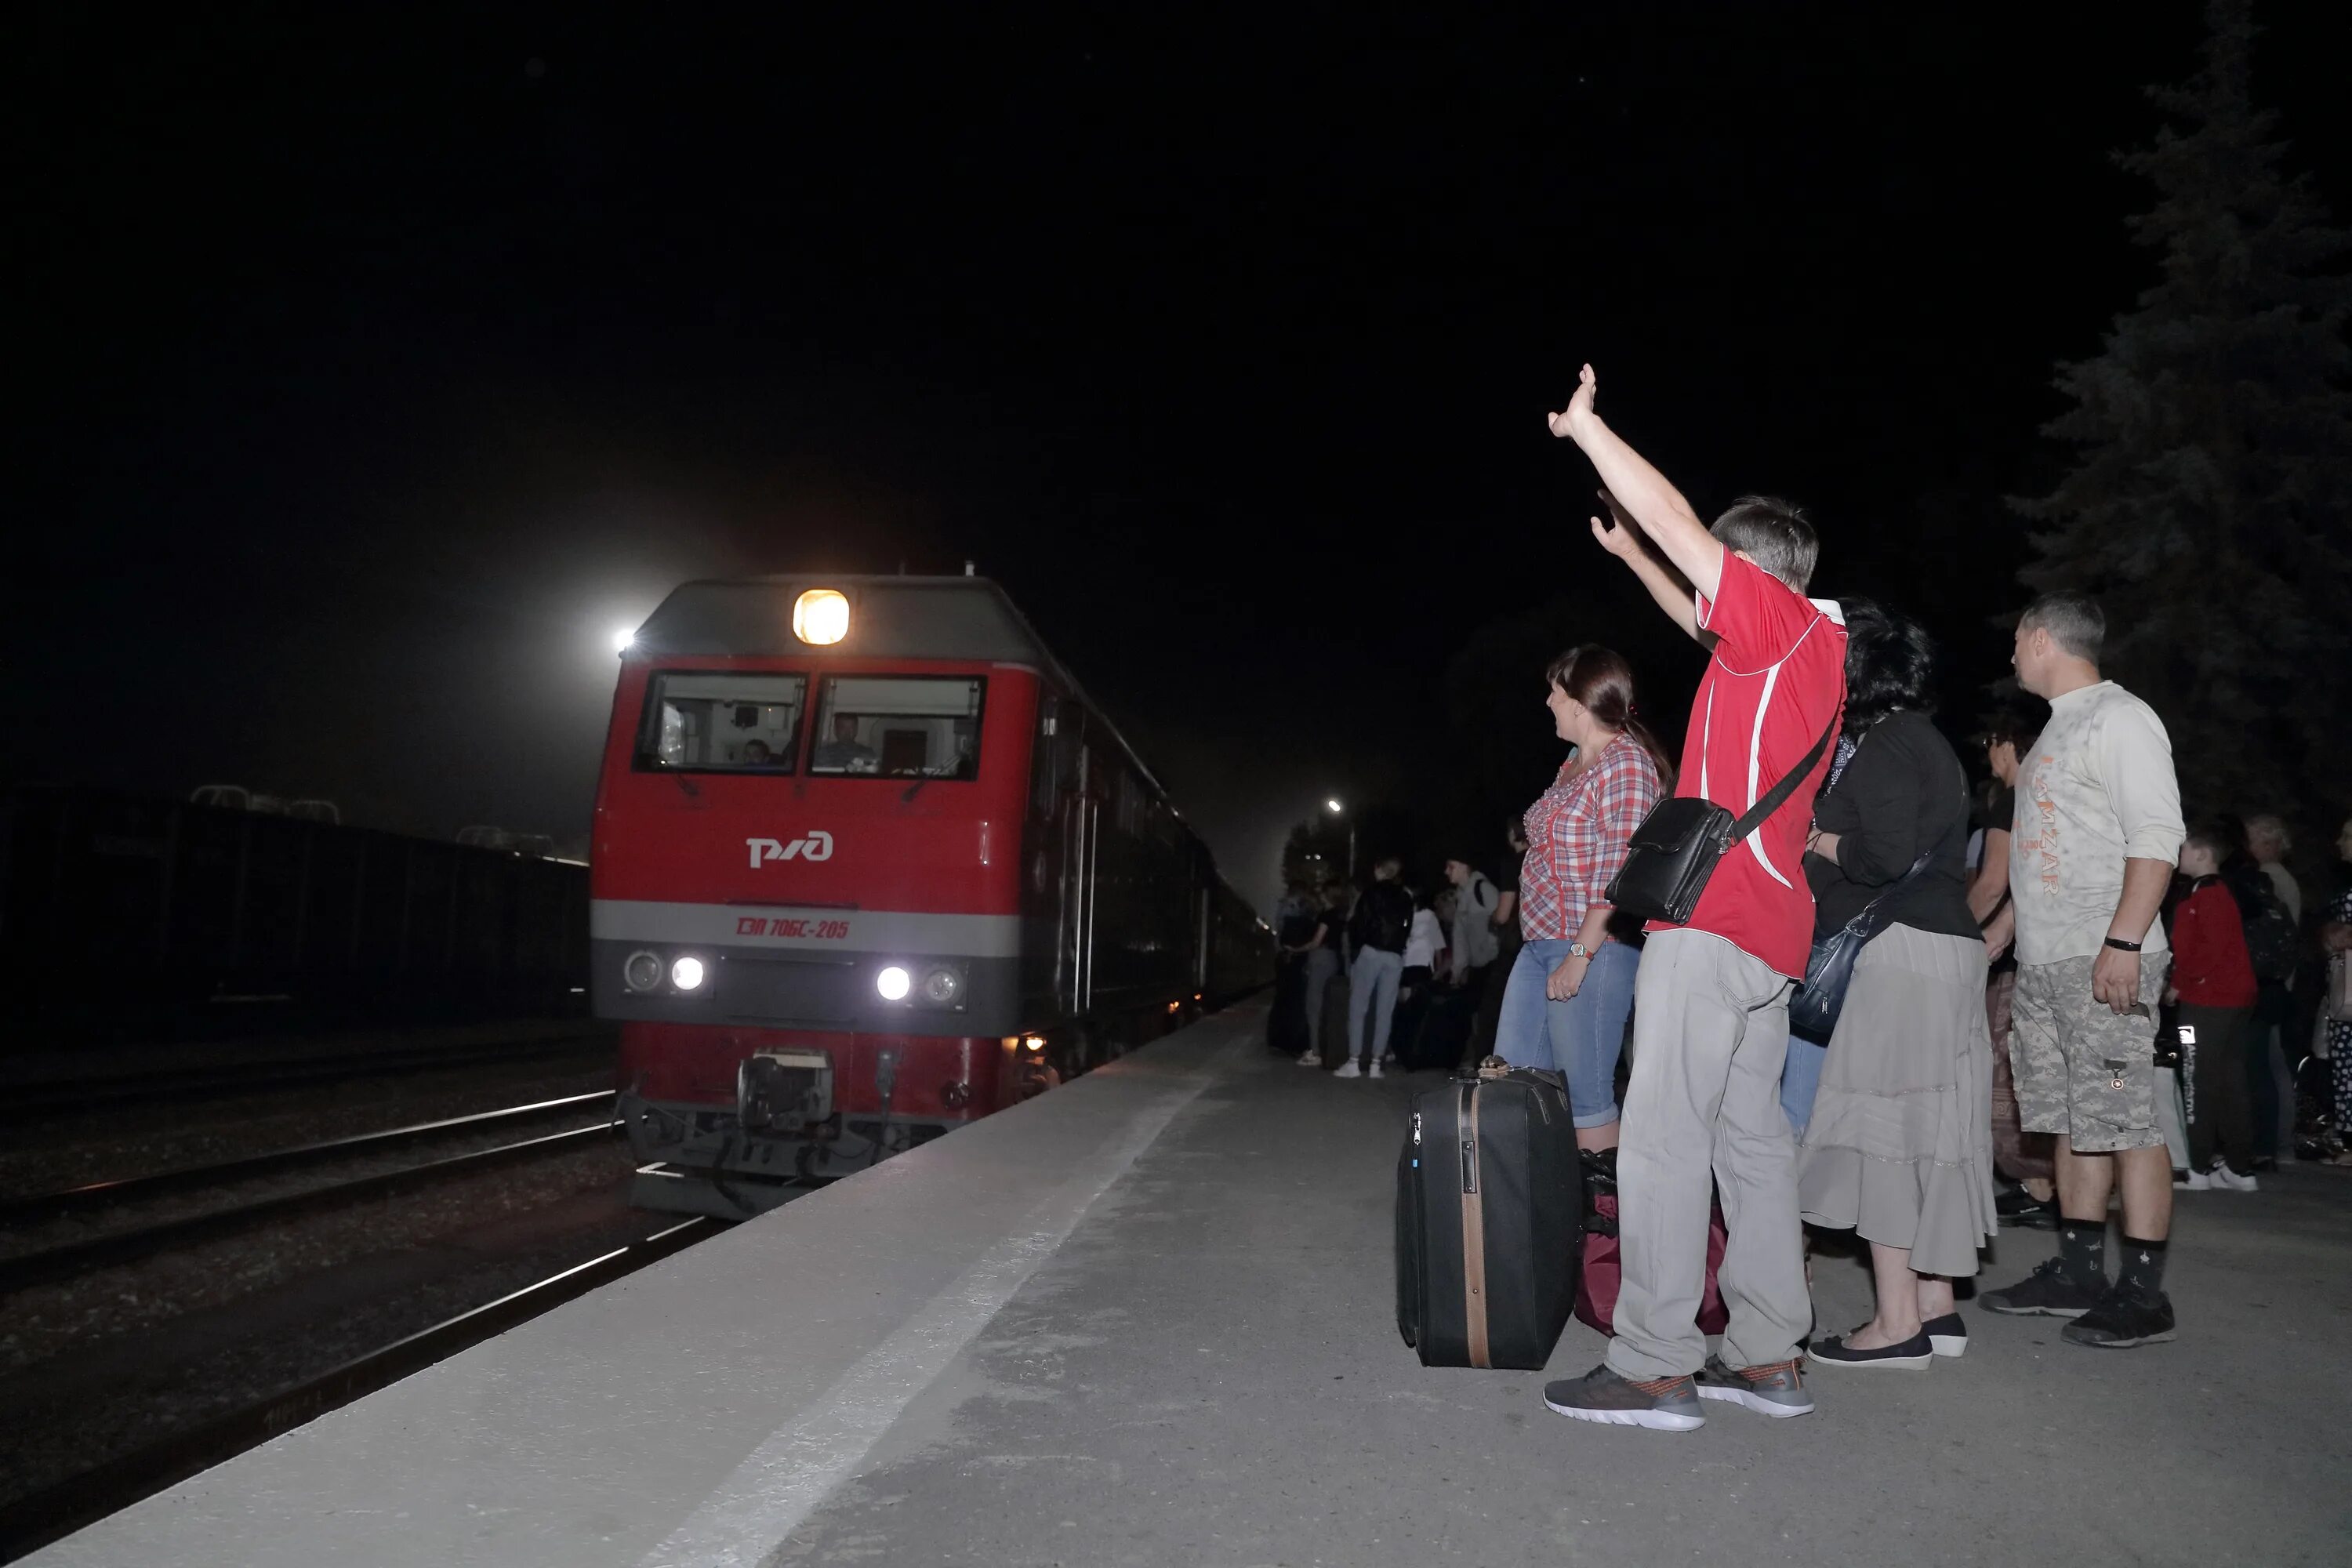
x=1948, y=1334
x=1914, y=1354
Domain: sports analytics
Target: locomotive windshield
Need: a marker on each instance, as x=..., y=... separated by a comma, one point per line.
x=698, y=722
x=898, y=726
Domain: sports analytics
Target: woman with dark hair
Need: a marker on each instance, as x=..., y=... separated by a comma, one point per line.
x=1899, y=1144
x=1571, y=986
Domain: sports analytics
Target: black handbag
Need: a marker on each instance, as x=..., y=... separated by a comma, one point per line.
x=1675, y=851
x=1814, y=1007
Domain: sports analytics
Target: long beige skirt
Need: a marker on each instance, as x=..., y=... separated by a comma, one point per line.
x=1899, y=1149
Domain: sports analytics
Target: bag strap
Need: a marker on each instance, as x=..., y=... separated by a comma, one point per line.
x=1862, y=921
x=1777, y=796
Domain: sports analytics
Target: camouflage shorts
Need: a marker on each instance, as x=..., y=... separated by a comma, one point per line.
x=2081, y=1068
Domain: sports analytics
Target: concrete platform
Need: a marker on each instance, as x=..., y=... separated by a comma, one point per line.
x=1148, y=1319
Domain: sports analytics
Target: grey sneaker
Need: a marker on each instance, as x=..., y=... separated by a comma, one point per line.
x=2049, y=1292
x=1663, y=1405
x=1775, y=1390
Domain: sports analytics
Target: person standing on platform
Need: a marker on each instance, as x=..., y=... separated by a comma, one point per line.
x=1380, y=928
x=2098, y=828
x=2270, y=1076
x=2022, y=1158
x=1711, y=1001
x=1425, y=953
x=1566, y=1000
x=1323, y=964
x=1471, y=931
x=2213, y=982
x=2335, y=944
x=1505, y=921
x=1898, y=1138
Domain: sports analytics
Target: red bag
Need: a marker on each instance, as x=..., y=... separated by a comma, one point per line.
x=1596, y=1291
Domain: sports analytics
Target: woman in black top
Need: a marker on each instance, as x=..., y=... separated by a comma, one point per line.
x=1899, y=1144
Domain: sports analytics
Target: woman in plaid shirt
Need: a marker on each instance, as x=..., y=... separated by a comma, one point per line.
x=1565, y=1005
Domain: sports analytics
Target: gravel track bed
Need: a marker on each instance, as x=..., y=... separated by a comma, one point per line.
x=136, y=1140
x=64, y=1230
x=44, y=1321
x=82, y=1426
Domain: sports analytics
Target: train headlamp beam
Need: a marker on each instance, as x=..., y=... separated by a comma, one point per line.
x=820, y=616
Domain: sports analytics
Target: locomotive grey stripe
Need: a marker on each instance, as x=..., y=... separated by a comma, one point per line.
x=801, y=928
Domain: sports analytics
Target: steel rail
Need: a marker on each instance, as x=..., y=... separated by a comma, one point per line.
x=131, y=1189
x=29, y=1102
x=39, y=1518
x=125, y=1246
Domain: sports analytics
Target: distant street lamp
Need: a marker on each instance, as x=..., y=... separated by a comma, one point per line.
x=622, y=640
x=1336, y=809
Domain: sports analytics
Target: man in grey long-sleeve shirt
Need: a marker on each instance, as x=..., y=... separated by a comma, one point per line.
x=2091, y=853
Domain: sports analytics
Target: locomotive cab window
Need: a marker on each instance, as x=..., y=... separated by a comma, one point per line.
x=898, y=726
x=713, y=722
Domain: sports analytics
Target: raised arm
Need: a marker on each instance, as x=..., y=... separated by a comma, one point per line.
x=1629, y=544
x=1655, y=506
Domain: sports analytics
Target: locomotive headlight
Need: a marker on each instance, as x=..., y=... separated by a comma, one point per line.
x=942, y=987
x=820, y=616
x=894, y=982
x=642, y=972
x=687, y=973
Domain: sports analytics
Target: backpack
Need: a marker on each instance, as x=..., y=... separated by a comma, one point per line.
x=2270, y=930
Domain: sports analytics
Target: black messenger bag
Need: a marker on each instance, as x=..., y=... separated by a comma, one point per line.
x=1674, y=850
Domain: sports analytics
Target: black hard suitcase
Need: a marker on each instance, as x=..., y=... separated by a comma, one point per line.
x=1489, y=1221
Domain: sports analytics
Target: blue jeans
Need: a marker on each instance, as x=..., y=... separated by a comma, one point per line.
x=1800, y=1079
x=1580, y=1038
x=1372, y=989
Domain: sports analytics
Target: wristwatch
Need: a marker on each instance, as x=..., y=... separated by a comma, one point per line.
x=2120, y=945
x=1577, y=949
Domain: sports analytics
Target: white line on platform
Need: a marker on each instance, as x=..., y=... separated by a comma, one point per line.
x=791, y=1474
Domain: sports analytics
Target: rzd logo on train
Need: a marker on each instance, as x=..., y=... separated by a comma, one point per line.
x=815, y=845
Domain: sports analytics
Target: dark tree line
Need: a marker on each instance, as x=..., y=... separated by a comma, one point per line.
x=2212, y=436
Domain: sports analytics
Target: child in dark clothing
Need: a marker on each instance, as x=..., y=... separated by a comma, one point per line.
x=2213, y=981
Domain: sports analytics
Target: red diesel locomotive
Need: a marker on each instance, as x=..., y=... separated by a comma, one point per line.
x=868, y=865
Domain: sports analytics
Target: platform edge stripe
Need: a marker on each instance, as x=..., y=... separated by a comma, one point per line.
x=914, y=932
x=791, y=1474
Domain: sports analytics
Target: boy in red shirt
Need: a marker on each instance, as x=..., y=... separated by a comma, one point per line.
x=2213, y=981
x=1711, y=1004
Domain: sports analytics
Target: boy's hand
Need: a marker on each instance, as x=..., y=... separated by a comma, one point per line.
x=1579, y=407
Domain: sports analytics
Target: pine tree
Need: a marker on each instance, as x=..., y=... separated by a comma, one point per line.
x=2207, y=507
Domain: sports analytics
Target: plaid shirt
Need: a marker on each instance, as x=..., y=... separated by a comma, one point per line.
x=1576, y=834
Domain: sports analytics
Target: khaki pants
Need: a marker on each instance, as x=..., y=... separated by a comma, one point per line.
x=1702, y=1114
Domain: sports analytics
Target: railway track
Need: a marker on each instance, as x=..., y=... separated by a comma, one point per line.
x=30, y=1102
x=129, y=1245
x=39, y=1518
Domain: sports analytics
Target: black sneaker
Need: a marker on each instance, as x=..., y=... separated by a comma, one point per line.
x=2017, y=1207
x=2048, y=1292
x=2125, y=1316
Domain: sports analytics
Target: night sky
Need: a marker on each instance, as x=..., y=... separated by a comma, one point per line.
x=385, y=362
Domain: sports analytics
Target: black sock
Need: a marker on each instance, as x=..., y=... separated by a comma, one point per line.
x=2083, y=1250
x=2143, y=1266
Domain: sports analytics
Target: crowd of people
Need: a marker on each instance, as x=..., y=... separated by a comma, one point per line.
x=2060, y=984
